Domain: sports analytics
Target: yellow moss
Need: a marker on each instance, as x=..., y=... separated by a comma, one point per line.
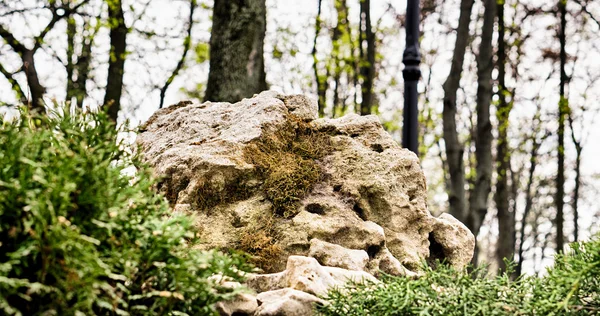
x=287, y=161
x=210, y=195
x=261, y=243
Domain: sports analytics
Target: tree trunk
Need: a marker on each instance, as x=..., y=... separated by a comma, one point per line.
x=37, y=90
x=35, y=87
x=454, y=149
x=575, y=203
x=367, y=69
x=506, y=221
x=529, y=194
x=479, y=195
x=321, y=80
x=562, y=111
x=575, y=200
x=83, y=69
x=78, y=72
x=237, y=68
x=116, y=64
x=341, y=27
x=70, y=68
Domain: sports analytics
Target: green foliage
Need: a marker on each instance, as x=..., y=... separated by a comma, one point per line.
x=202, y=51
x=571, y=287
x=79, y=236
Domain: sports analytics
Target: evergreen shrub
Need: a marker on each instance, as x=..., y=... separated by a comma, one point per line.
x=570, y=287
x=78, y=236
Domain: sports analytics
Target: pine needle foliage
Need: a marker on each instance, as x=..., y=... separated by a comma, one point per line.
x=78, y=236
x=570, y=287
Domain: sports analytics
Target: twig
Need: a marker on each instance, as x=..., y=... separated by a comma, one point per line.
x=187, y=42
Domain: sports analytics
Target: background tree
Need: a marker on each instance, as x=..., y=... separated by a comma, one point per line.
x=78, y=63
x=454, y=150
x=506, y=217
x=321, y=80
x=33, y=97
x=236, y=50
x=116, y=63
x=187, y=44
x=563, y=105
x=479, y=192
x=367, y=57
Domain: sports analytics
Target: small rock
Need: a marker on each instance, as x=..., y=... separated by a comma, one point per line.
x=455, y=240
x=242, y=304
x=307, y=275
x=385, y=262
x=287, y=302
x=343, y=276
x=333, y=255
x=266, y=282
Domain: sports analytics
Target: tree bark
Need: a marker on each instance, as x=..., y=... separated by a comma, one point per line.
x=33, y=81
x=116, y=64
x=506, y=221
x=454, y=149
x=237, y=66
x=562, y=111
x=367, y=68
x=83, y=69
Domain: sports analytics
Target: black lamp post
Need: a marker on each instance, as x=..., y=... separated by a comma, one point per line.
x=411, y=74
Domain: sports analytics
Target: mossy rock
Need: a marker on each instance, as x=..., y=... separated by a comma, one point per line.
x=265, y=175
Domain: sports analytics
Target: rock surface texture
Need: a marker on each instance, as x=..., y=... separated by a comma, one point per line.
x=266, y=176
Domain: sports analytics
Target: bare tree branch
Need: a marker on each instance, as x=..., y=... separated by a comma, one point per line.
x=12, y=41
x=23, y=10
x=585, y=9
x=14, y=84
x=186, y=47
x=55, y=18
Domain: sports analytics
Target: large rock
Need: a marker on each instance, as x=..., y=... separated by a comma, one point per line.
x=352, y=185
